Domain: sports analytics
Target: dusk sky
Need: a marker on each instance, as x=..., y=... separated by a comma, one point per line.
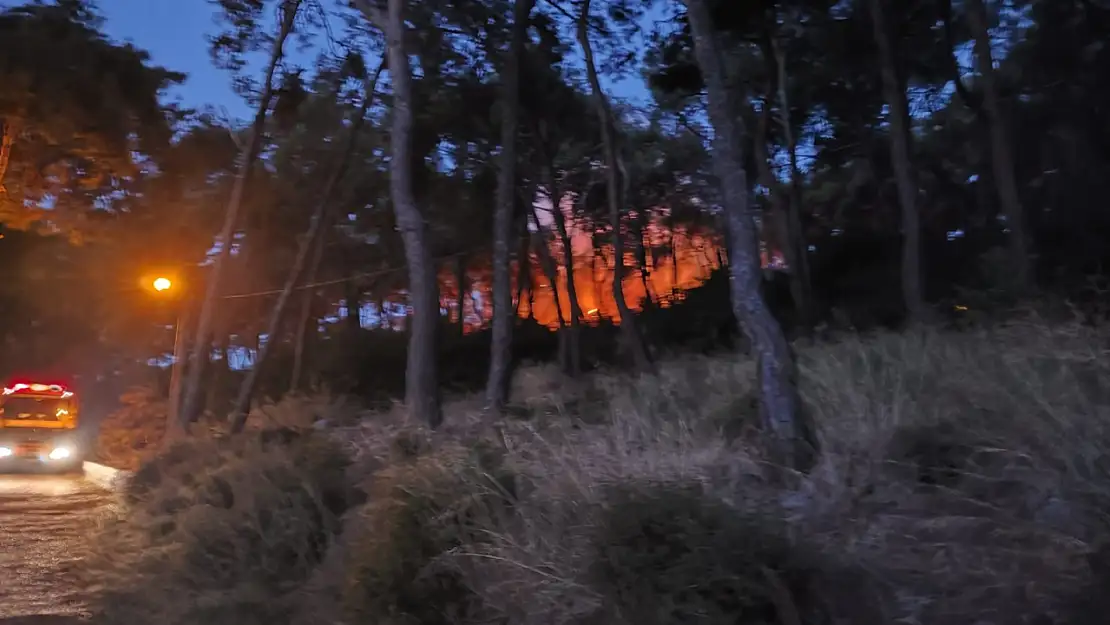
x=175, y=33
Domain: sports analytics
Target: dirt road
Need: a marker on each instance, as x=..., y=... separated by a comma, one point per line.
x=43, y=524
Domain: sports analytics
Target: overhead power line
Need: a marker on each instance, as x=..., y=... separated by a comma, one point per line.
x=334, y=281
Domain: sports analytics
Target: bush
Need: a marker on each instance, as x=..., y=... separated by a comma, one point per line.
x=419, y=513
x=221, y=531
x=668, y=553
x=134, y=432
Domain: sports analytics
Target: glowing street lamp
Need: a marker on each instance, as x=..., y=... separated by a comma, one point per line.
x=161, y=285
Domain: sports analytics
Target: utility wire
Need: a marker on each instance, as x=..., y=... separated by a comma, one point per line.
x=368, y=274
x=365, y=274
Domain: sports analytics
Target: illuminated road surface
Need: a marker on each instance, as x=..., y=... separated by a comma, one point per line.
x=44, y=520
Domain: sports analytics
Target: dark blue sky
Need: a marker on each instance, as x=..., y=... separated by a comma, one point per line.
x=175, y=31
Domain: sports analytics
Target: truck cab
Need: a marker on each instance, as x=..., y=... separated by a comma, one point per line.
x=38, y=427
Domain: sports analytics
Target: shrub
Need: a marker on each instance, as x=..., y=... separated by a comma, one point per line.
x=134, y=432
x=668, y=553
x=221, y=531
x=418, y=513
x=298, y=411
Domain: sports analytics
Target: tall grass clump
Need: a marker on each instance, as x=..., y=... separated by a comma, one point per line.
x=419, y=513
x=970, y=469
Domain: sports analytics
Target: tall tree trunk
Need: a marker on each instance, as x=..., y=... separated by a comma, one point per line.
x=895, y=95
x=616, y=180
x=1001, y=162
x=422, y=393
x=201, y=343
x=501, y=345
x=780, y=404
x=308, y=241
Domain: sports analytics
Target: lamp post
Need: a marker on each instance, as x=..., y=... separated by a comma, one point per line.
x=163, y=285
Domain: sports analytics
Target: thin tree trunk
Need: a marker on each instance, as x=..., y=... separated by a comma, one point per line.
x=780, y=404
x=640, y=231
x=220, y=370
x=224, y=350
x=1001, y=161
x=551, y=272
x=201, y=343
x=547, y=264
x=180, y=349
x=524, y=274
x=352, y=297
x=7, y=140
x=306, y=314
x=780, y=203
x=246, y=391
x=674, y=262
x=795, y=232
x=501, y=345
x=422, y=393
x=574, y=338
x=973, y=102
x=462, y=287
x=903, y=167
x=531, y=282
x=595, y=257
x=616, y=178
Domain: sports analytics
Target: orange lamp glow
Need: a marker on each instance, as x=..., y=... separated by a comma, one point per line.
x=162, y=284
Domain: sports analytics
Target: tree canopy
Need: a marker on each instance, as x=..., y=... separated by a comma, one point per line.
x=78, y=114
x=861, y=163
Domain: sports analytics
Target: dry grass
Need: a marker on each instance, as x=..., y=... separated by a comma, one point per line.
x=220, y=531
x=964, y=478
x=133, y=433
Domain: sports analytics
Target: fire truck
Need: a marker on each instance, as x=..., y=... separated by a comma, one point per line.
x=38, y=427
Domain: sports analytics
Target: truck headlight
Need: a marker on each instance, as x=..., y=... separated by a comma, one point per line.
x=60, y=453
x=5, y=452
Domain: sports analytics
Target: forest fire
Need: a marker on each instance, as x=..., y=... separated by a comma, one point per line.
x=668, y=276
